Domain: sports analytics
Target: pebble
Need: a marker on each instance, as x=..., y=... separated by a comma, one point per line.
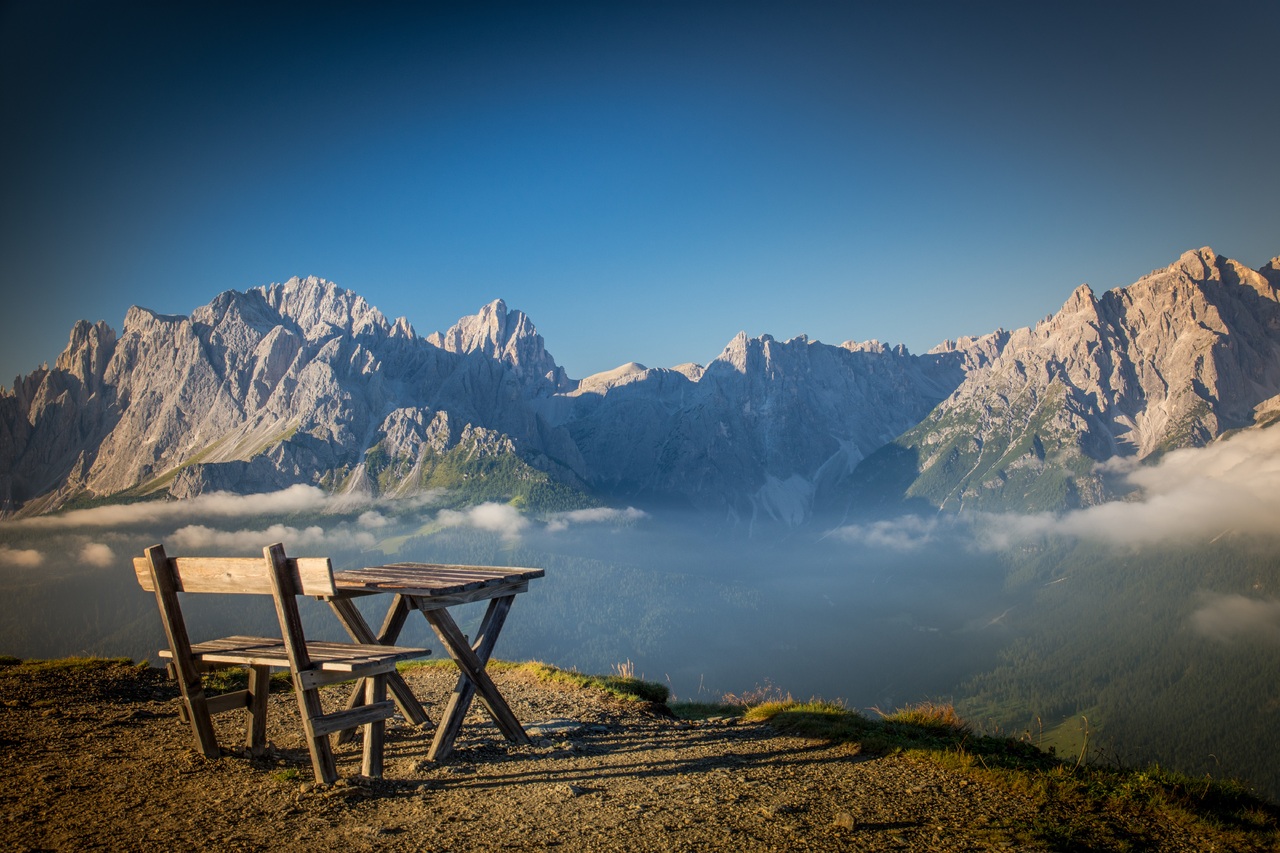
x=844, y=820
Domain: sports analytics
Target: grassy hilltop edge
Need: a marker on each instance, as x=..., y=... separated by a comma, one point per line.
x=1052, y=802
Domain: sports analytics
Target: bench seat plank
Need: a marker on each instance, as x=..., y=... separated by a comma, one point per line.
x=266, y=651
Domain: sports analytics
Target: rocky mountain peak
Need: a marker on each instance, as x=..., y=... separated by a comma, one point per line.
x=510, y=337
x=1271, y=271
x=321, y=308
x=88, y=350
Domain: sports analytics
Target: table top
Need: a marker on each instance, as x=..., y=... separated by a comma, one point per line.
x=432, y=579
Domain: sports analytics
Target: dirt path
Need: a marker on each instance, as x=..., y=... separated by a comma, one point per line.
x=98, y=760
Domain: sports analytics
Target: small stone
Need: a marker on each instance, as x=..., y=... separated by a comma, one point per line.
x=844, y=820
x=306, y=787
x=574, y=790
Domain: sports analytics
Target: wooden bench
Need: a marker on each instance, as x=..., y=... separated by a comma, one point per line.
x=312, y=664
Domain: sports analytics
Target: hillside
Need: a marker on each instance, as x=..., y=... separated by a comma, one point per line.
x=113, y=769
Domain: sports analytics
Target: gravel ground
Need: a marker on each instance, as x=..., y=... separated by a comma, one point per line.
x=98, y=760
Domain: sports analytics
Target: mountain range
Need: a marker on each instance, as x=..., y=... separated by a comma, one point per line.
x=305, y=382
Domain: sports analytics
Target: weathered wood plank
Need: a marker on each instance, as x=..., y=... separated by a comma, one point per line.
x=326, y=724
x=375, y=731
x=240, y=575
x=473, y=668
x=436, y=602
x=259, y=687
x=163, y=583
x=227, y=701
x=350, y=617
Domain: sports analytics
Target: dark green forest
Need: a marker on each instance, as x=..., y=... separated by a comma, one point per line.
x=1107, y=642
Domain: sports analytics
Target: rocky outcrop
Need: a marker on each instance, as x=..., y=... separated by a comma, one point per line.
x=509, y=337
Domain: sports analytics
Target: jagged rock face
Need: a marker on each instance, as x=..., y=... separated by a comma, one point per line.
x=1173, y=360
x=283, y=384
x=509, y=337
x=60, y=414
x=762, y=431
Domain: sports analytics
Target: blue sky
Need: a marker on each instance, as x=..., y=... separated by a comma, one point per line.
x=643, y=179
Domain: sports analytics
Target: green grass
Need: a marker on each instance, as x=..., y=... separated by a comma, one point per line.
x=233, y=678
x=619, y=686
x=71, y=664
x=704, y=710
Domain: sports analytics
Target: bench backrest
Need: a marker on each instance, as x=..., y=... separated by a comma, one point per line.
x=272, y=574
x=251, y=575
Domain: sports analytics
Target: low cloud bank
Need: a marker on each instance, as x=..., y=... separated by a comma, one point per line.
x=596, y=515
x=1191, y=495
x=1196, y=494
x=907, y=533
x=494, y=517
x=297, y=498
x=197, y=537
x=97, y=554
x=21, y=558
x=1229, y=618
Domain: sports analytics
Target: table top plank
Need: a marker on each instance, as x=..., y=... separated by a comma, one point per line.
x=431, y=579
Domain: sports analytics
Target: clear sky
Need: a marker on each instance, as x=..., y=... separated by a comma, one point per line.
x=643, y=179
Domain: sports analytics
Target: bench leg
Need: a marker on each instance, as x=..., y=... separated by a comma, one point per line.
x=374, y=732
x=259, y=686
x=322, y=761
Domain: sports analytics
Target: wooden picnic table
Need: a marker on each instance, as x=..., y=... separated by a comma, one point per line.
x=432, y=589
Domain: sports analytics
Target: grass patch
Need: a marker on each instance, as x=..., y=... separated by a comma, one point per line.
x=704, y=710
x=235, y=678
x=619, y=686
x=71, y=664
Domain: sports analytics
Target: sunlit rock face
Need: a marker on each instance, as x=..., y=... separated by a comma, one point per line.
x=293, y=382
x=1174, y=360
x=305, y=382
x=508, y=337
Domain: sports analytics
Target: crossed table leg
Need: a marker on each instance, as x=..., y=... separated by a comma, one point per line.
x=473, y=681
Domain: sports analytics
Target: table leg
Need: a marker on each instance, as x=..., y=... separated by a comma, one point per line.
x=351, y=619
x=473, y=681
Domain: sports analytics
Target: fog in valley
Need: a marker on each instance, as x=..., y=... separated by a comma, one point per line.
x=705, y=609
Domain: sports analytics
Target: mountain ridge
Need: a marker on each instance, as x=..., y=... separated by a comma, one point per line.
x=304, y=381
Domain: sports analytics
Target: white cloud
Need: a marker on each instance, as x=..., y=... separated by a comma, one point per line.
x=297, y=498
x=496, y=517
x=24, y=558
x=899, y=534
x=372, y=520
x=198, y=537
x=1196, y=494
x=596, y=515
x=97, y=554
x=1235, y=617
